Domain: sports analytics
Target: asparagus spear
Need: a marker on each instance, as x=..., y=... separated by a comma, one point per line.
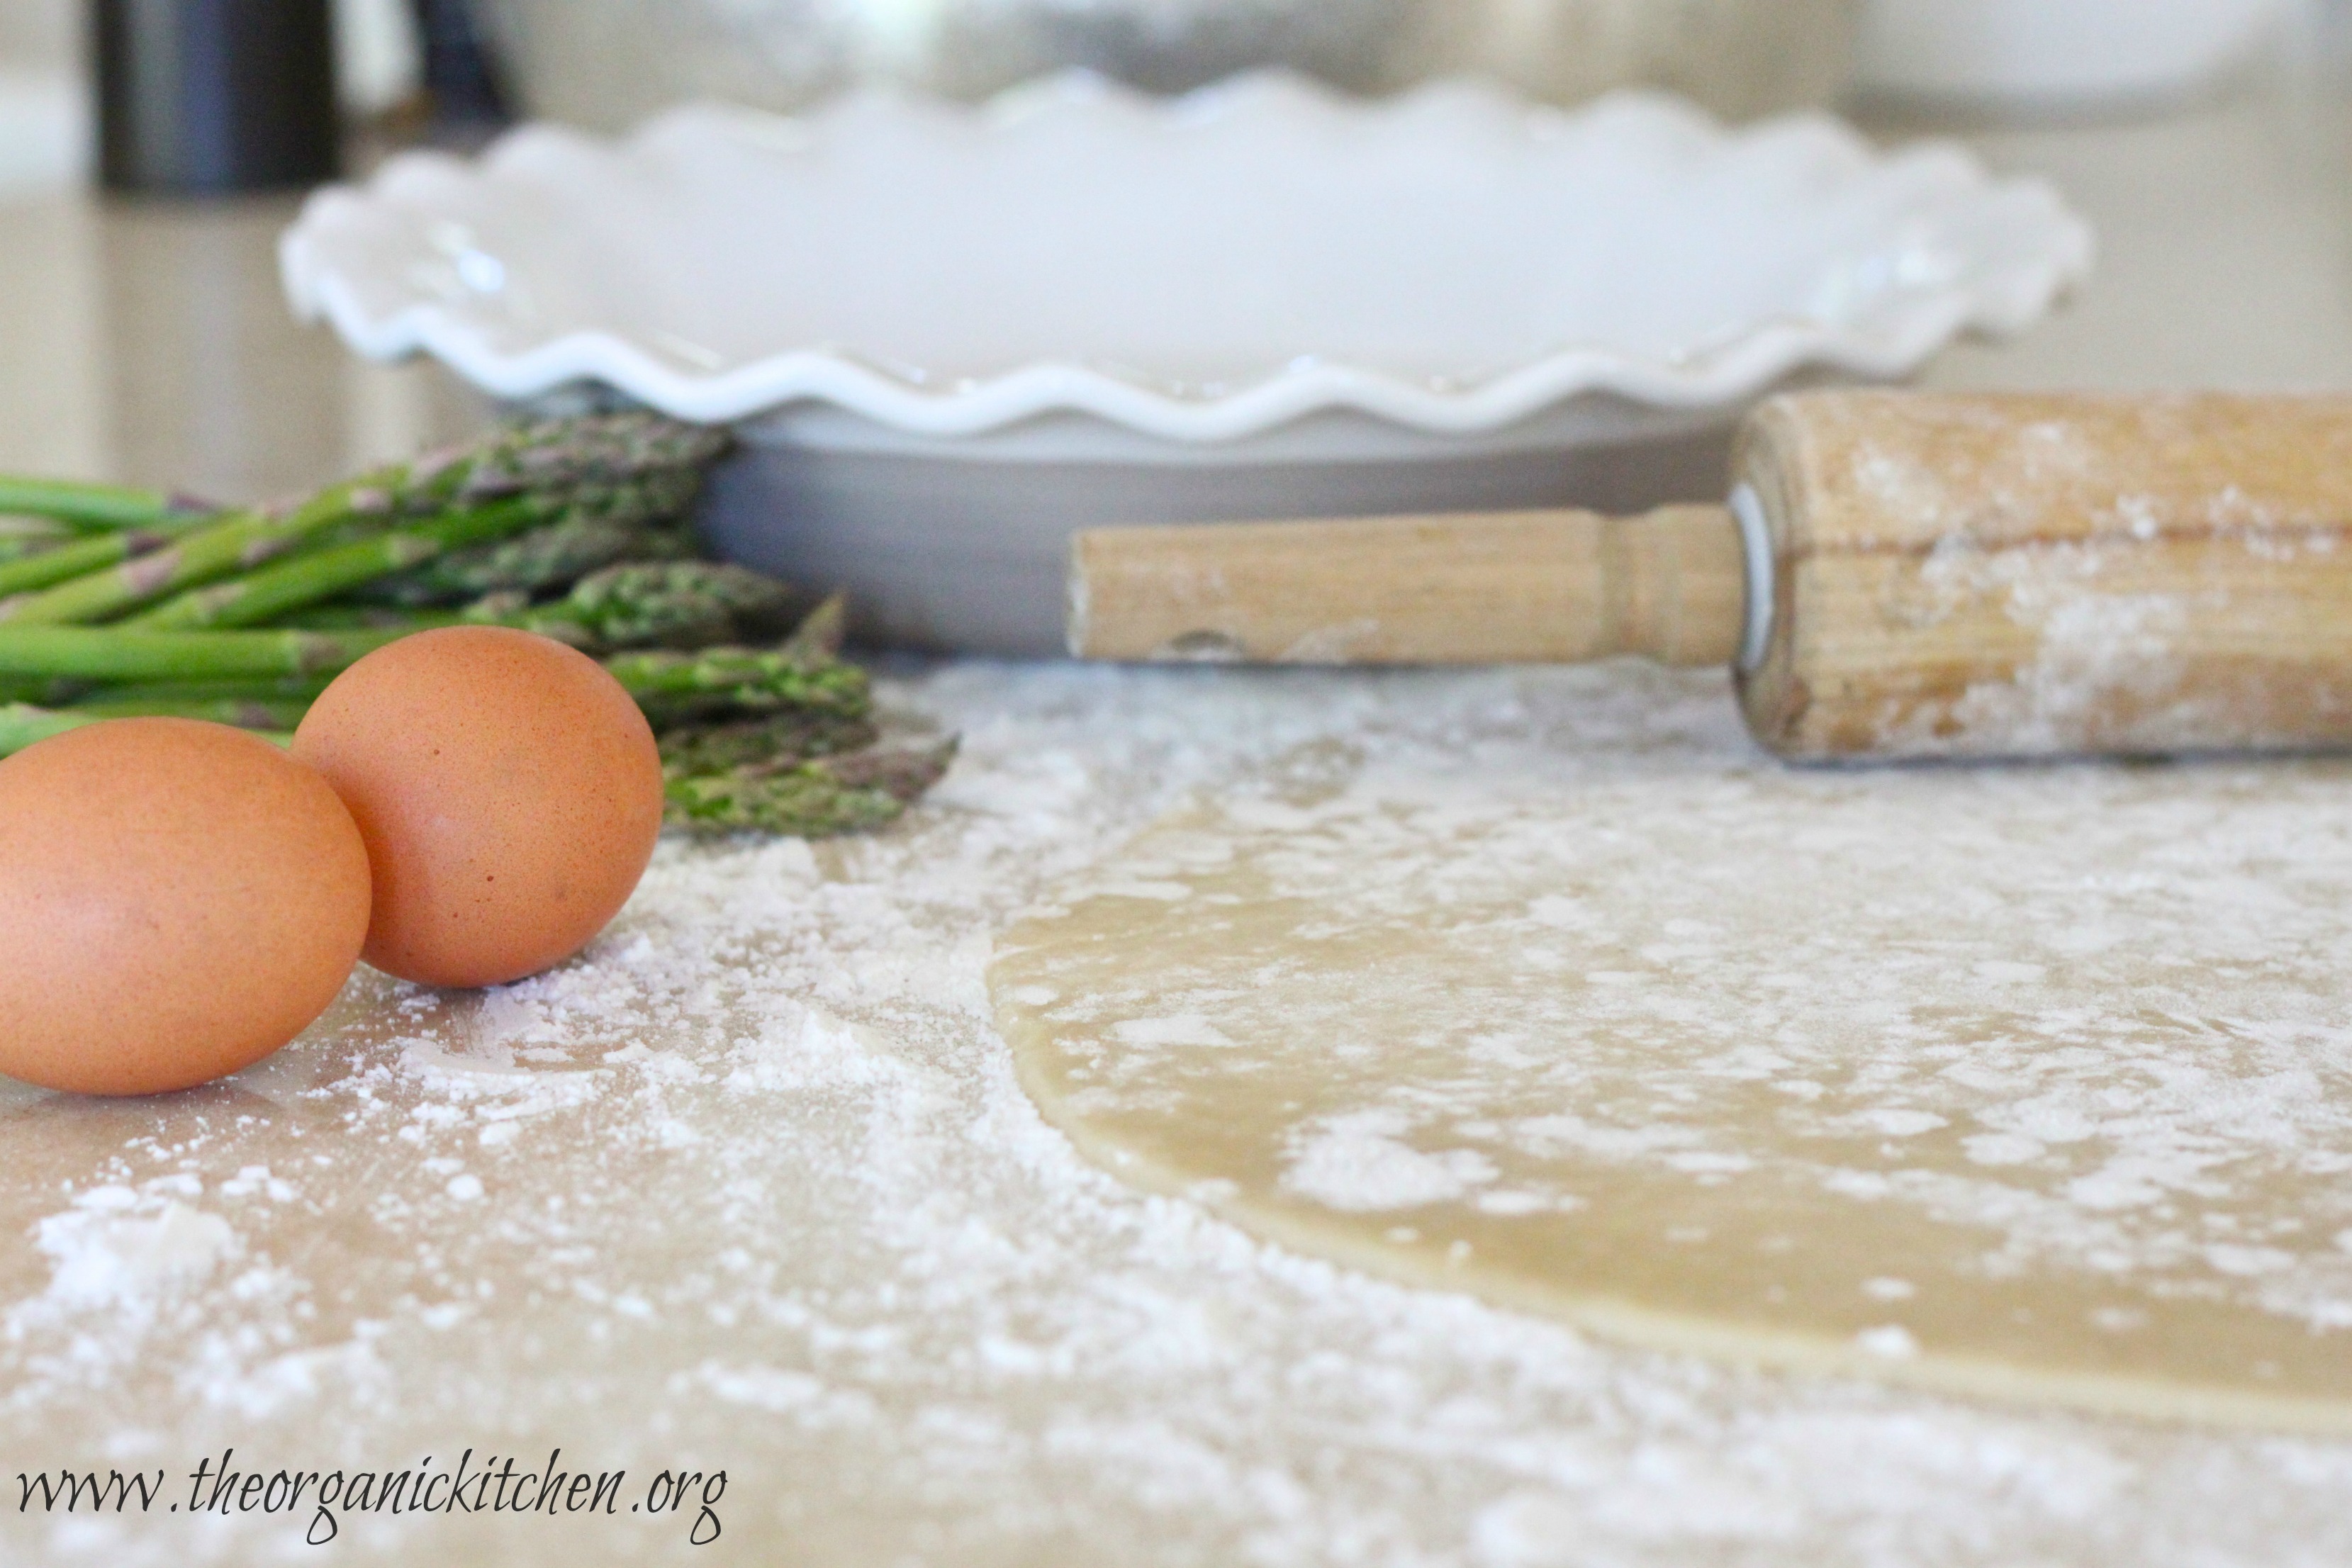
x=94, y=508
x=820, y=635
x=585, y=540
x=788, y=738
x=810, y=799
x=599, y=453
x=238, y=542
x=814, y=798
x=596, y=451
x=675, y=603
x=803, y=673
x=674, y=688
x=41, y=667
x=342, y=615
x=273, y=591
x=23, y=544
x=669, y=685
x=282, y=716
x=104, y=653
x=811, y=772
x=22, y=725
x=292, y=691
x=63, y=563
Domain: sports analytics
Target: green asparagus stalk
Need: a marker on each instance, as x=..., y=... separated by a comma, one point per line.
x=669, y=685
x=675, y=688
x=106, y=654
x=822, y=631
x=586, y=539
x=343, y=616
x=240, y=542
x=94, y=508
x=558, y=457
x=596, y=452
x=790, y=736
x=292, y=691
x=282, y=717
x=806, y=774
x=22, y=725
x=24, y=543
x=673, y=604
x=277, y=591
x=811, y=799
x=32, y=570
x=785, y=739
x=292, y=585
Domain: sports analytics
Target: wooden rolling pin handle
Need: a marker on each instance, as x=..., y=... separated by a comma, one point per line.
x=1933, y=576
x=1490, y=588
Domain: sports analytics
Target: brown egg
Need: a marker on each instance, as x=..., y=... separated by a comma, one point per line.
x=509, y=793
x=177, y=901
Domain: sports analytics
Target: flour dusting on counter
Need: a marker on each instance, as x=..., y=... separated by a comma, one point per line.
x=751, y=1186
x=1699, y=1055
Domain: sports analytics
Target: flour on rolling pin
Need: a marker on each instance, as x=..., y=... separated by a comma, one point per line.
x=1901, y=576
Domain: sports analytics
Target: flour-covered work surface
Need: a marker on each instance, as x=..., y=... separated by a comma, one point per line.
x=753, y=1187
x=2033, y=1083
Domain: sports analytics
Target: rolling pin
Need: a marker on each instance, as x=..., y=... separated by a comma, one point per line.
x=1898, y=575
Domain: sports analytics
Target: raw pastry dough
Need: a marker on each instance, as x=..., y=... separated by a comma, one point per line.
x=2031, y=1083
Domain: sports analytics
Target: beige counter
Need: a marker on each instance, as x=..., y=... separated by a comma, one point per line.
x=752, y=1189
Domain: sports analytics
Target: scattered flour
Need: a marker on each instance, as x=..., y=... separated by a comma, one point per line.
x=108, y=1254
x=751, y=1186
x=1357, y=1163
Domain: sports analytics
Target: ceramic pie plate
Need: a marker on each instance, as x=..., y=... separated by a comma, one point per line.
x=952, y=335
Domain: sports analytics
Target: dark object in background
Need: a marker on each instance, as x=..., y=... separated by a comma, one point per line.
x=205, y=97
x=460, y=80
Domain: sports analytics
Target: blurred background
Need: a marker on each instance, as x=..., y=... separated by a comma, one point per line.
x=144, y=338
x=608, y=63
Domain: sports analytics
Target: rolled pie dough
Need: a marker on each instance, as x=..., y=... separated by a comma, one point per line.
x=2031, y=1083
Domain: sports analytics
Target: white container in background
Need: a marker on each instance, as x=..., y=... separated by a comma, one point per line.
x=2057, y=53
x=45, y=131
x=377, y=58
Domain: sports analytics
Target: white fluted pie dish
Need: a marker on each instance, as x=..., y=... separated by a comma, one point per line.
x=953, y=336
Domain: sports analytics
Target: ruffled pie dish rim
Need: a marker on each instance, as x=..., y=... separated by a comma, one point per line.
x=2030, y=251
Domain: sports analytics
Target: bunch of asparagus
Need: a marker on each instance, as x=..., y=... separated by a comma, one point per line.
x=118, y=602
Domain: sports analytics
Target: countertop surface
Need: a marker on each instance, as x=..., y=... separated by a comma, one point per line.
x=751, y=1187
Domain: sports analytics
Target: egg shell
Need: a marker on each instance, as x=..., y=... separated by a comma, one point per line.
x=509, y=793
x=177, y=901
